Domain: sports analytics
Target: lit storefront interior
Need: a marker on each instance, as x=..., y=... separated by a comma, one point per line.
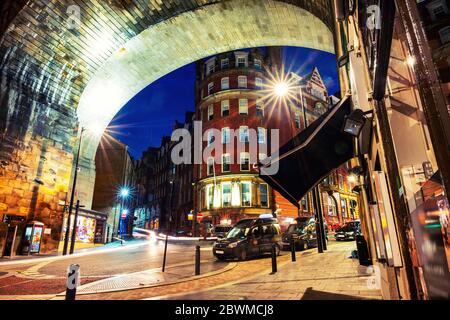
x=89, y=229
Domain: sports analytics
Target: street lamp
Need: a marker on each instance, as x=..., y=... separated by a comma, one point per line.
x=95, y=130
x=124, y=193
x=281, y=88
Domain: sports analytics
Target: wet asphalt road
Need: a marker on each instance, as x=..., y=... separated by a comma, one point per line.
x=125, y=260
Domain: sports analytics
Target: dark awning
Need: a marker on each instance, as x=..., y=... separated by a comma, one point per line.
x=312, y=155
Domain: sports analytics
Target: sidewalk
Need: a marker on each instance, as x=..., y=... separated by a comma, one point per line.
x=154, y=277
x=327, y=276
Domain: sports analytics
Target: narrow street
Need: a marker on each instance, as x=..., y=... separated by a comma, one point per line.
x=49, y=276
x=111, y=276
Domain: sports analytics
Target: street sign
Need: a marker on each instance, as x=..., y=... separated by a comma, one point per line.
x=199, y=216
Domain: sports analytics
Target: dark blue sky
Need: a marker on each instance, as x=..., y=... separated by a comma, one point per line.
x=151, y=113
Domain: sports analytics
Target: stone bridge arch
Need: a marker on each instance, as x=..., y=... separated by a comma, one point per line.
x=60, y=71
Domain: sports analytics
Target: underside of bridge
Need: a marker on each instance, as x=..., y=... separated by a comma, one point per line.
x=67, y=66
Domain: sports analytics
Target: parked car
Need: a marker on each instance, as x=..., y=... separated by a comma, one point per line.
x=348, y=231
x=334, y=226
x=249, y=238
x=303, y=232
x=183, y=233
x=221, y=231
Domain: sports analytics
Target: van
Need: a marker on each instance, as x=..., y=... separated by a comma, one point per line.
x=249, y=238
x=221, y=231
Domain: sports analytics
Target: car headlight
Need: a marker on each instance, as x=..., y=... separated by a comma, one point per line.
x=233, y=245
x=350, y=233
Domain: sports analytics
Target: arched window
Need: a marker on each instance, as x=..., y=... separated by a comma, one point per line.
x=331, y=204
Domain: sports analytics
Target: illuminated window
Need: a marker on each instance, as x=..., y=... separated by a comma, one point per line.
x=341, y=181
x=331, y=206
x=245, y=161
x=225, y=83
x=226, y=162
x=344, y=208
x=297, y=120
x=243, y=134
x=259, y=111
x=210, y=138
x=210, y=112
x=304, y=202
x=246, y=194
x=226, y=194
x=257, y=64
x=209, y=196
x=261, y=135
x=241, y=61
x=225, y=63
x=210, y=66
x=264, y=195
x=242, y=81
x=210, y=88
x=226, y=135
x=210, y=166
x=243, y=106
x=258, y=83
x=225, y=108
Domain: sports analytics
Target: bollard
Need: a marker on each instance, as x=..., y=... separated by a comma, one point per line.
x=73, y=280
x=293, y=250
x=274, y=258
x=197, y=260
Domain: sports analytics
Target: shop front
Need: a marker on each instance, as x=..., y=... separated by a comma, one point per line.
x=90, y=227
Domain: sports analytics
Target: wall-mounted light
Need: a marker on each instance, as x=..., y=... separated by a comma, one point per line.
x=354, y=122
x=411, y=61
x=352, y=178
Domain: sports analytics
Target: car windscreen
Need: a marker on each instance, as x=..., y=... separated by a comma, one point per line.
x=239, y=232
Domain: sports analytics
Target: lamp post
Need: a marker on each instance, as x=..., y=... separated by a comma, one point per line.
x=72, y=195
x=123, y=195
x=96, y=130
x=168, y=226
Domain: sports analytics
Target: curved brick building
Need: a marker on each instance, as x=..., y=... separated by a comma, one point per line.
x=237, y=112
x=230, y=98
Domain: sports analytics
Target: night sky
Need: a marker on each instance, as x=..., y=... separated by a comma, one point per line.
x=151, y=113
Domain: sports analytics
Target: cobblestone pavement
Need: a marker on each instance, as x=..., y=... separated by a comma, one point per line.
x=241, y=271
x=153, y=277
x=331, y=275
